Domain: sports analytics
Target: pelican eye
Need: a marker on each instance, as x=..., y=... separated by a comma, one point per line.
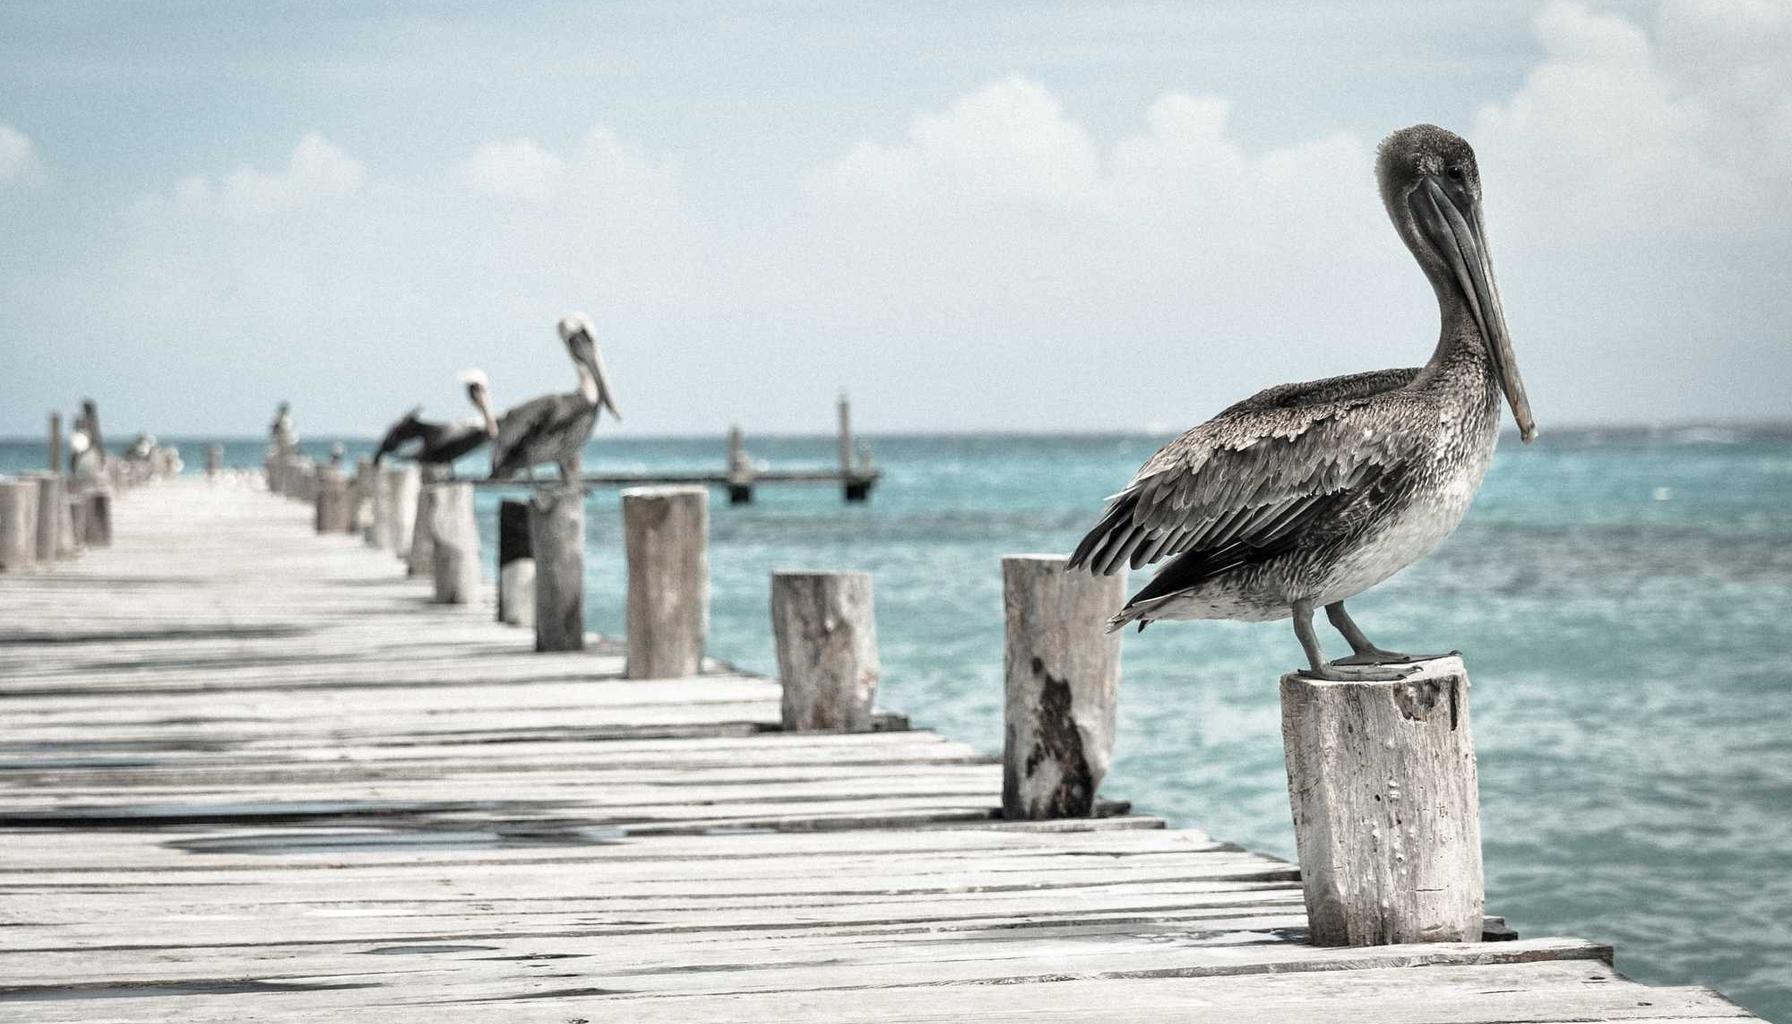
x=1456, y=173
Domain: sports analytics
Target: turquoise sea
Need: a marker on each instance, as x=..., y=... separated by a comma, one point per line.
x=1621, y=597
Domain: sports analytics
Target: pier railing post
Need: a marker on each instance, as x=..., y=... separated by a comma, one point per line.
x=98, y=519
x=18, y=524
x=214, y=461
x=55, y=445
x=331, y=510
x=516, y=565
x=1387, y=817
x=454, y=547
x=1062, y=679
x=420, y=557
x=401, y=484
x=826, y=635
x=360, y=497
x=51, y=502
x=740, y=469
x=557, y=537
x=666, y=535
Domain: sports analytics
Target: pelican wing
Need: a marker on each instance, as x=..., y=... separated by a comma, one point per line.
x=408, y=428
x=520, y=432
x=1244, y=483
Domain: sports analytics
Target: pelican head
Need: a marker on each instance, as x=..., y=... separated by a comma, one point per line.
x=580, y=336
x=479, y=389
x=1432, y=191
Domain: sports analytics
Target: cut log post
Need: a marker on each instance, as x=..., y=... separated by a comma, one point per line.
x=516, y=565
x=51, y=501
x=740, y=469
x=826, y=635
x=401, y=486
x=360, y=497
x=666, y=535
x=55, y=445
x=1062, y=679
x=557, y=537
x=454, y=542
x=1387, y=814
x=99, y=519
x=18, y=524
x=75, y=527
x=375, y=532
x=421, y=558
x=331, y=515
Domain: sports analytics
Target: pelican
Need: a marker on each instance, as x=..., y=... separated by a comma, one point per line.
x=554, y=428
x=1305, y=495
x=439, y=444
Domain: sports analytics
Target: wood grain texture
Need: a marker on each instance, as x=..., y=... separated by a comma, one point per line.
x=454, y=543
x=557, y=536
x=1387, y=813
x=825, y=632
x=1062, y=676
x=331, y=502
x=18, y=524
x=666, y=534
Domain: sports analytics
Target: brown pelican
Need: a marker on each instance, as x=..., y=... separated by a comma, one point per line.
x=1307, y=494
x=439, y=444
x=554, y=428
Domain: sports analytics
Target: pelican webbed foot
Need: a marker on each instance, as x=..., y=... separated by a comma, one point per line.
x=1338, y=672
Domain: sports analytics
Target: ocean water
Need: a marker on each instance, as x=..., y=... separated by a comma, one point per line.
x=1621, y=598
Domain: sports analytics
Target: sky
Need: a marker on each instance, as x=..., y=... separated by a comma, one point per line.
x=1003, y=216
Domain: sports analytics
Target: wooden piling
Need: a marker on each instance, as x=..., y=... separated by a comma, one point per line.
x=51, y=502
x=1387, y=814
x=18, y=524
x=1062, y=679
x=826, y=636
x=401, y=486
x=55, y=444
x=516, y=565
x=666, y=535
x=740, y=469
x=454, y=543
x=331, y=506
x=420, y=558
x=74, y=507
x=557, y=537
x=360, y=497
x=214, y=461
x=98, y=519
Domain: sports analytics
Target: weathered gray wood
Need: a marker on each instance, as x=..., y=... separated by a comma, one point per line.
x=740, y=469
x=454, y=548
x=76, y=523
x=214, y=460
x=1062, y=679
x=666, y=534
x=361, y=489
x=331, y=509
x=557, y=538
x=516, y=565
x=98, y=519
x=421, y=558
x=1387, y=816
x=52, y=500
x=399, y=509
x=826, y=636
x=54, y=448
x=18, y=524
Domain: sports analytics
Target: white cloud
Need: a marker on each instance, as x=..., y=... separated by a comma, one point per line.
x=517, y=168
x=317, y=170
x=18, y=156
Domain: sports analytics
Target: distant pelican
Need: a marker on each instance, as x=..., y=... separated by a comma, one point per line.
x=554, y=428
x=438, y=445
x=1307, y=494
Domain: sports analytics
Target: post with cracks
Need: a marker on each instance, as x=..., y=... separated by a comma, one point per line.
x=1063, y=676
x=557, y=537
x=666, y=532
x=18, y=524
x=516, y=565
x=826, y=635
x=1387, y=813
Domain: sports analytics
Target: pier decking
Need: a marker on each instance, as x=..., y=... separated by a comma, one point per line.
x=251, y=773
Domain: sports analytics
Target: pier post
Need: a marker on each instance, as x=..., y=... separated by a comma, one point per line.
x=557, y=537
x=75, y=526
x=516, y=565
x=98, y=519
x=454, y=547
x=331, y=510
x=18, y=524
x=853, y=486
x=740, y=469
x=420, y=557
x=214, y=461
x=55, y=445
x=1387, y=817
x=1062, y=679
x=826, y=635
x=666, y=534
x=51, y=502
x=400, y=507
x=360, y=497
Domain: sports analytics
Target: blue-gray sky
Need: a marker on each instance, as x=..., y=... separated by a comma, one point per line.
x=1004, y=216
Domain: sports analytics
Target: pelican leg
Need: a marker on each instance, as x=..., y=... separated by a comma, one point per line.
x=1363, y=652
x=1348, y=669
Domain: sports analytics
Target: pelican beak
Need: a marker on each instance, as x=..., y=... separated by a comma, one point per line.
x=595, y=363
x=482, y=400
x=1454, y=230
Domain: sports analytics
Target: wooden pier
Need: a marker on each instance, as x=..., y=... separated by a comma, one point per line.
x=252, y=772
